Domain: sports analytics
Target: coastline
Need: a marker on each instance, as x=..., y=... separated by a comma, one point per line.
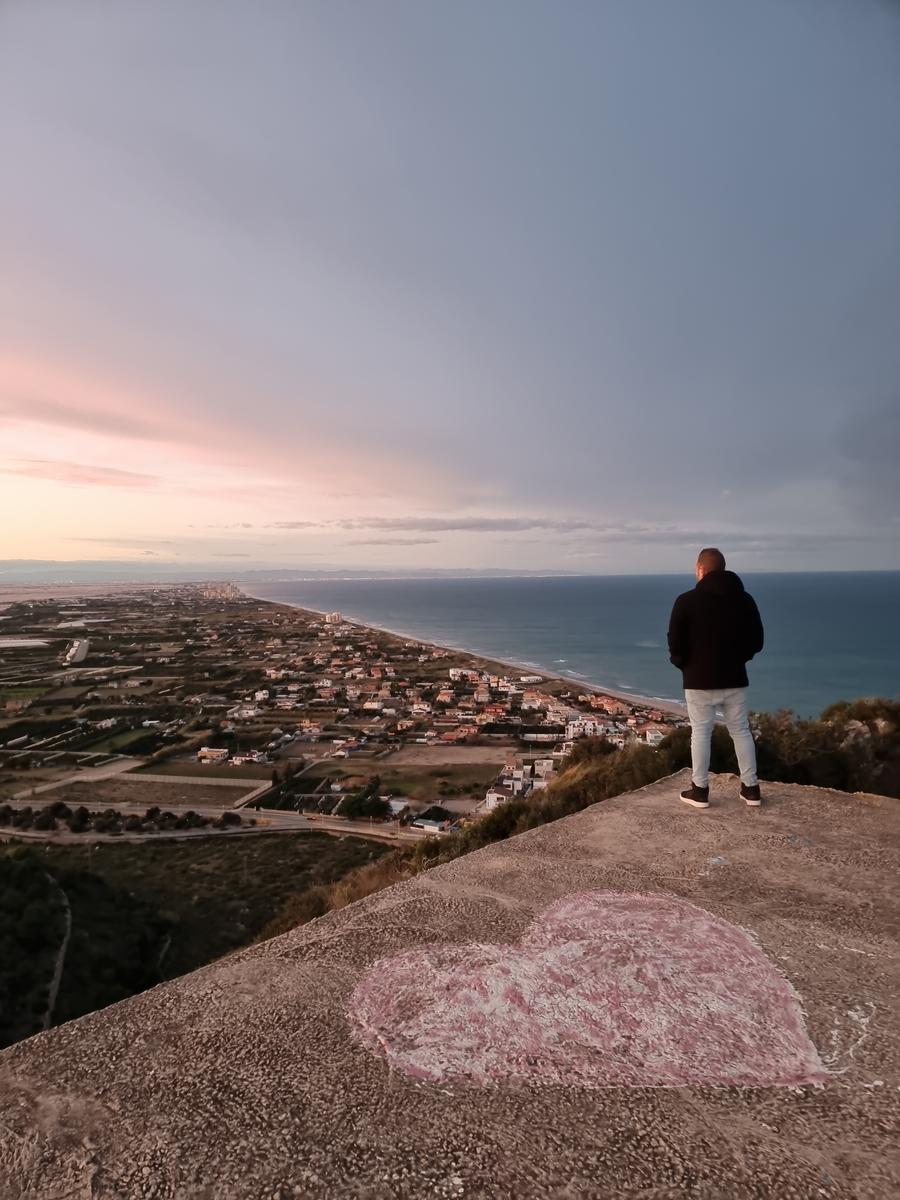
x=658, y=702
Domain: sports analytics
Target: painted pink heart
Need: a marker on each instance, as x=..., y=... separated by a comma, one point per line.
x=605, y=989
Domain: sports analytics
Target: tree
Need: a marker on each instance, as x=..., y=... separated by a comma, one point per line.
x=78, y=822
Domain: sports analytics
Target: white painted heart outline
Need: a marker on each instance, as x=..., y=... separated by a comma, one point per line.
x=605, y=989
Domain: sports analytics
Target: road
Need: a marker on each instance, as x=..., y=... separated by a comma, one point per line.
x=86, y=775
x=267, y=821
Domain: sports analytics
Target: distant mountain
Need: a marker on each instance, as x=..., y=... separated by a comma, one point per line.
x=422, y=573
x=55, y=571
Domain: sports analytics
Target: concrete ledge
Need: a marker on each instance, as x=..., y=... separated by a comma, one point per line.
x=255, y=1077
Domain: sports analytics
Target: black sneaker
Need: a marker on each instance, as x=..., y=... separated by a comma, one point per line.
x=696, y=796
x=750, y=795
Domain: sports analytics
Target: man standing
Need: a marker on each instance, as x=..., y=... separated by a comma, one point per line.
x=714, y=631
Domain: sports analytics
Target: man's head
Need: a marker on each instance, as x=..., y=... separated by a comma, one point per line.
x=709, y=559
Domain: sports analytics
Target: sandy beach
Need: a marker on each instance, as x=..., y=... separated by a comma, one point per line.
x=489, y=662
x=13, y=594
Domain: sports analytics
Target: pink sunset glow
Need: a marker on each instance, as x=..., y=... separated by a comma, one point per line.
x=315, y=300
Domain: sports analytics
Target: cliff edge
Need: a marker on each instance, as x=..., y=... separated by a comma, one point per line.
x=638, y=1000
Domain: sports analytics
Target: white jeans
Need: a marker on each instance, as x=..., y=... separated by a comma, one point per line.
x=701, y=706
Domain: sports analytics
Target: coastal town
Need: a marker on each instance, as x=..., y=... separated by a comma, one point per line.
x=214, y=699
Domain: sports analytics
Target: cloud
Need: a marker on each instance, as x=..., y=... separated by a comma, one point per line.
x=734, y=541
x=79, y=474
x=125, y=543
x=295, y=525
x=398, y=541
x=231, y=554
x=41, y=411
x=462, y=524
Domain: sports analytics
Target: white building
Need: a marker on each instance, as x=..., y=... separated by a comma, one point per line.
x=517, y=778
x=498, y=794
x=77, y=652
x=211, y=754
x=334, y=618
x=586, y=727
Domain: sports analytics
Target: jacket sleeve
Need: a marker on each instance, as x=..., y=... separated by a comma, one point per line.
x=679, y=639
x=754, y=636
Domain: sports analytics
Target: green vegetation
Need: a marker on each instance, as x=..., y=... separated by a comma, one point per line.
x=22, y=693
x=138, y=741
x=113, y=951
x=144, y=912
x=218, y=893
x=365, y=803
x=110, y=820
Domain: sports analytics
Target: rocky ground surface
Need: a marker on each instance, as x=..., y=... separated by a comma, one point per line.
x=642, y=1000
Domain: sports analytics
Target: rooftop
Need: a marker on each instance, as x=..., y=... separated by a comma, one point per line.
x=639, y=1000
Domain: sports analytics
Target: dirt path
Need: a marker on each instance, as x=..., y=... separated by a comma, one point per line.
x=196, y=780
x=53, y=992
x=450, y=756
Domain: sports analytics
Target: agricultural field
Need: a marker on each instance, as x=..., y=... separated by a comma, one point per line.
x=190, y=767
x=432, y=785
x=451, y=756
x=115, y=742
x=22, y=693
x=116, y=790
x=13, y=782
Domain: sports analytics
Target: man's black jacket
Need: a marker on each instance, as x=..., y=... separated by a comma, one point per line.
x=714, y=631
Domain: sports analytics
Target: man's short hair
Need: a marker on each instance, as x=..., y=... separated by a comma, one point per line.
x=711, y=559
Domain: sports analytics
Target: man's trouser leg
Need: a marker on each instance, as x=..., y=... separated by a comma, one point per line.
x=734, y=707
x=701, y=706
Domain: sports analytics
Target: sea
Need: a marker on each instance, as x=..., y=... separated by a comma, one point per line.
x=830, y=636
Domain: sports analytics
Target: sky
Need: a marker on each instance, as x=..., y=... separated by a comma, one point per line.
x=403, y=284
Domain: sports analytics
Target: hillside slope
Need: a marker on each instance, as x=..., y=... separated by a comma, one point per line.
x=574, y=1011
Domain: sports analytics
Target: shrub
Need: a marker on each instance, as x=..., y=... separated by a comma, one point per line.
x=78, y=821
x=589, y=748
